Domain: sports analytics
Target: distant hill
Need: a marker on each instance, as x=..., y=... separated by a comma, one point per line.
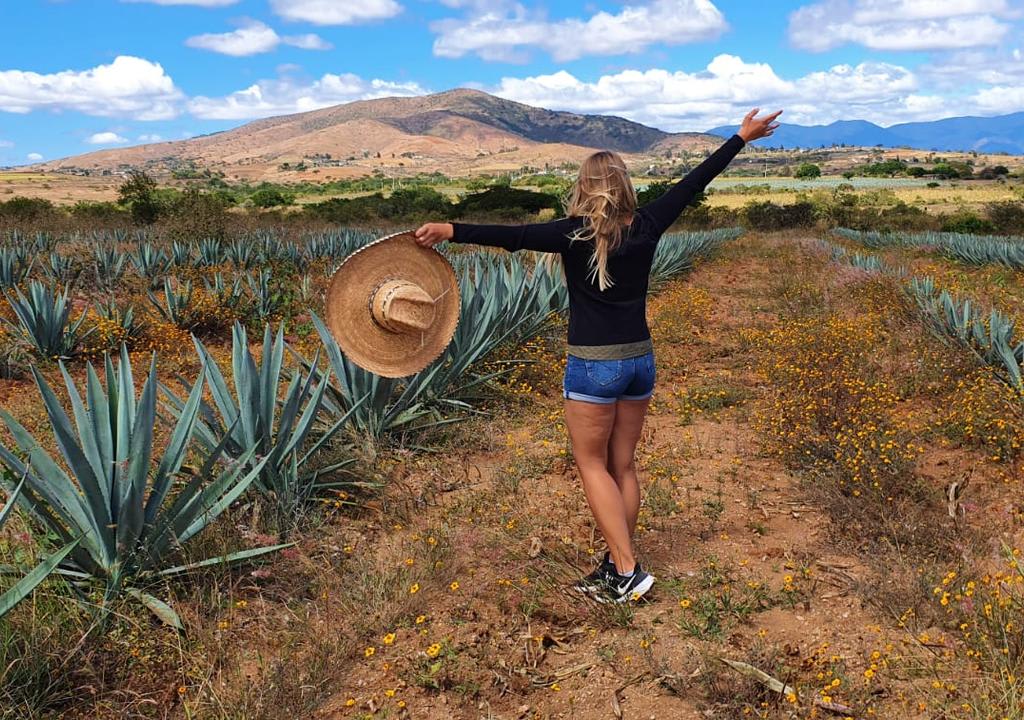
x=455, y=131
x=1004, y=133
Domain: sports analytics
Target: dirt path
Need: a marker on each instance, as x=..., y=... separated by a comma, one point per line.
x=745, y=569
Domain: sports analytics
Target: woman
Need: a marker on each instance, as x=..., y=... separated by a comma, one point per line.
x=607, y=246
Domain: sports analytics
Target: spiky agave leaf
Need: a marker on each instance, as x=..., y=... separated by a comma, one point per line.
x=249, y=414
x=44, y=320
x=15, y=264
x=115, y=495
x=24, y=587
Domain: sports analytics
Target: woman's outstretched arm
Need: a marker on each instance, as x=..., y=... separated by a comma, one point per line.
x=666, y=210
x=552, y=237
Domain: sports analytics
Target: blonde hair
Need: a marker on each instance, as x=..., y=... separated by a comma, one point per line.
x=604, y=196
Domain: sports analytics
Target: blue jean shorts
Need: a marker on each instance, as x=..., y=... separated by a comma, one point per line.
x=605, y=381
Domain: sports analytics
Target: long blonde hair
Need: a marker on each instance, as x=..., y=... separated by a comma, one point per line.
x=604, y=196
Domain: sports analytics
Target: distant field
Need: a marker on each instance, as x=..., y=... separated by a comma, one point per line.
x=21, y=176
x=737, y=192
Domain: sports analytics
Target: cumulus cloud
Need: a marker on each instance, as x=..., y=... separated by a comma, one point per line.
x=149, y=138
x=309, y=41
x=999, y=100
x=335, y=12
x=106, y=138
x=6, y=144
x=900, y=24
x=729, y=87
x=287, y=95
x=498, y=30
x=128, y=87
x=34, y=157
x=952, y=71
x=252, y=38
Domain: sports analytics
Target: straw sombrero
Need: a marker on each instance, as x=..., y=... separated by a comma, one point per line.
x=393, y=306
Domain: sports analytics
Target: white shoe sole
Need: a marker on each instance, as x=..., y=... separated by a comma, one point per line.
x=635, y=594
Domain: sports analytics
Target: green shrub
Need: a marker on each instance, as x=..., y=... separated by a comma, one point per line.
x=23, y=209
x=769, y=216
x=808, y=171
x=195, y=215
x=653, y=191
x=968, y=223
x=271, y=197
x=402, y=205
x=507, y=202
x=1006, y=217
x=139, y=194
x=101, y=213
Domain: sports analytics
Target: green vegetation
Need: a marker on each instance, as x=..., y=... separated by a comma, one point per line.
x=807, y=171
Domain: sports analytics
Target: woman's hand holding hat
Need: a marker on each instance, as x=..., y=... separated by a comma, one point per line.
x=432, y=234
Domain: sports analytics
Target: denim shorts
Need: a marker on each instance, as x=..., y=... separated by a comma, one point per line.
x=605, y=381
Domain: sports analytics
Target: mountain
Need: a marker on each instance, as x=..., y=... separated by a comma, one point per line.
x=1004, y=133
x=455, y=131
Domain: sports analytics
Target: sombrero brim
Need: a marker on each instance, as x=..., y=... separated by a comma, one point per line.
x=350, y=296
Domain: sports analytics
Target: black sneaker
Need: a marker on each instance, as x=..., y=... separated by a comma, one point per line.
x=618, y=588
x=596, y=580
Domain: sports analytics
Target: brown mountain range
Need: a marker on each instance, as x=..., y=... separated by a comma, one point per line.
x=457, y=132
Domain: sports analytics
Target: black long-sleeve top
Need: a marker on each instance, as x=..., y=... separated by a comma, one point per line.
x=616, y=316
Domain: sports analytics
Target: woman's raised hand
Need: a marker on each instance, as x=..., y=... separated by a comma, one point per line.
x=754, y=128
x=431, y=234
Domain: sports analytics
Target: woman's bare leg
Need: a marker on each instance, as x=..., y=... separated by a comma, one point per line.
x=629, y=423
x=590, y=428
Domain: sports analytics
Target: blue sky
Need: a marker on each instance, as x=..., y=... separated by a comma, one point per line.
x=79, y=75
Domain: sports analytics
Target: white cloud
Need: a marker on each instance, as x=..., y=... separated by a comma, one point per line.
x=127, y=87
x=149, y=138
x=999, y=100
x=900, y=24
x=34, y=157
x=335, y=12
x=106, y=138
x=6, y=144
x=197, y=3
x=287, y=95
x=497, y=30
x=309, y=41
x=252, y=38
x=728, y=88
x=953, y=71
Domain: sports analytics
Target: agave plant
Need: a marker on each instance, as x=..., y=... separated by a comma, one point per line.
x=991, y=339
x=109, y=263
x=228, y=295
x=971, y=249
x=250, y=418
x=181, y=254
x=677, y=252
x=24, y=587
x=242, y=254
x=267, y=300
x=131, y=326
x=61, y=269
x=374, y=406
x=116, y=495
x=15, y=265
x=150, y=261
x=44, y=320
x=210, y=253
x=177, y=301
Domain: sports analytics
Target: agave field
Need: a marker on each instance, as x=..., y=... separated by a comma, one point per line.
x=275, y=424
x=210, y=512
